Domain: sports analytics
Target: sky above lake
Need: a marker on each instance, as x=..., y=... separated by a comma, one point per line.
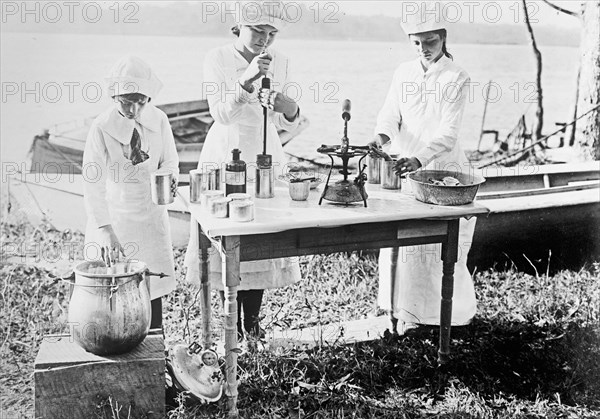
x=504, y=12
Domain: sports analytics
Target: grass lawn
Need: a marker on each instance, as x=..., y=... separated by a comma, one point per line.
x=533, y=350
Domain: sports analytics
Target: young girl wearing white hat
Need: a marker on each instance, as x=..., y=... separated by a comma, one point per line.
x=125, y=145
x=233, y=74
x=420, y=121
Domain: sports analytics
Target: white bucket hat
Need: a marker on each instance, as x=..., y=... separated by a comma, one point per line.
x=254, y=13
x=422, y=16
x=133, y=75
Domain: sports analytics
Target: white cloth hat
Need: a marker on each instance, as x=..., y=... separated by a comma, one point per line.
x=133, y=75
x=419, y=17
x=254, y=13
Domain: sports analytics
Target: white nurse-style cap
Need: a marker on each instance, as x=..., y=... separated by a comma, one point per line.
x=422, y=16
x=254, y=13
x=133, y=75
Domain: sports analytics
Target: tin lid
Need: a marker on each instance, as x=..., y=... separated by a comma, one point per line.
x=197, y=372
x=239, y=196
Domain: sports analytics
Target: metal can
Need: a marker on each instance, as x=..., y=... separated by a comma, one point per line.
x=161, y=187
x=214, y=180
x=198, y=184
x=389, y=179
x=374, y=169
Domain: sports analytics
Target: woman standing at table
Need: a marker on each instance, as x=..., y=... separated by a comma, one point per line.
x=126, y=143
x=419, y=121
x=232, y=79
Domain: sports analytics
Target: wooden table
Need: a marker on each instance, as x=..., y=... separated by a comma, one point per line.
x=285, y=228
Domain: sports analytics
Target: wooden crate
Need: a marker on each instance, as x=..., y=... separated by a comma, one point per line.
x=73, y=383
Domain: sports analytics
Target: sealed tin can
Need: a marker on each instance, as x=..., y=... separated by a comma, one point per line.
x=161, y=187
x=207, y=196
x=241, y=210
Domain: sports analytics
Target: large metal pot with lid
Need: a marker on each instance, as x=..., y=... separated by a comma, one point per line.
x=109, y=309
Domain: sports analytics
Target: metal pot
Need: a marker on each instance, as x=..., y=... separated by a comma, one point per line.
x=109, y=309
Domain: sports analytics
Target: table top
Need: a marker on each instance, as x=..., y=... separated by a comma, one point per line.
x=282, y=214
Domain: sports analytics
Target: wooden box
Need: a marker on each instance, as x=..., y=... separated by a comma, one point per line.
x=73, y=383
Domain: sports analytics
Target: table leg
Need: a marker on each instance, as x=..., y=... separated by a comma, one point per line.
x=449, y=258
x=393, y=280
x=205, y=290
x=231, y=281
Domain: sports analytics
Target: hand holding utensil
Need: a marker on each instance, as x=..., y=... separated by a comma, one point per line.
x=257, y=68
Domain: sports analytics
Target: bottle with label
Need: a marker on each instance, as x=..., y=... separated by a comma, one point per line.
x=235, y=174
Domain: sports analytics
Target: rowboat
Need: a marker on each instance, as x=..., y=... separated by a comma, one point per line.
x=540, y=217
x=60, y=148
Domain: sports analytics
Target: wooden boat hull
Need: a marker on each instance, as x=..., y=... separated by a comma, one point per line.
x=538, y=239
x=541, y=217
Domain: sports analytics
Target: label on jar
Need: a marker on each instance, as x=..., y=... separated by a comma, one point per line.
x=235, y=178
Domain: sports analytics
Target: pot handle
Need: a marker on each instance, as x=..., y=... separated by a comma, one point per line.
x=160, y=275
x=56, y=279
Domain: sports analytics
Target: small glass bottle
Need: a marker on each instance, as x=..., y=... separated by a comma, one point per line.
x=235, y=174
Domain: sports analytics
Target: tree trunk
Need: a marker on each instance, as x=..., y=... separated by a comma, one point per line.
x=588, y=128
x=539, y=114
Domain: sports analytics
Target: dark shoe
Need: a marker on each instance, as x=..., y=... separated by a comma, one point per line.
x=257, y=332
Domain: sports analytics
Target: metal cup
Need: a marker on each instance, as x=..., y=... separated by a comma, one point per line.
x=265, y=183
x=299, y=191
x=389, y=179
x=214, y=180
x=265, y=177
x=374, y=169
x=198, y=184
x=161, y=187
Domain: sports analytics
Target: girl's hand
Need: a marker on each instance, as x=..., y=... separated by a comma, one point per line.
x=376, y=145
x=278, y=102
x=174, y=184
x=110, y=247
x=406, y=164
x=258, y=68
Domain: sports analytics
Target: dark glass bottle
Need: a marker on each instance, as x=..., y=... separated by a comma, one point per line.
x=235, y=174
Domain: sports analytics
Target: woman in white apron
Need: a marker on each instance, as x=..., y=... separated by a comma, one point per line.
x=126, y=143
x=420, y=121
x=232, y=82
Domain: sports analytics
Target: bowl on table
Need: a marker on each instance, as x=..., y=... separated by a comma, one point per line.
x=441, y=187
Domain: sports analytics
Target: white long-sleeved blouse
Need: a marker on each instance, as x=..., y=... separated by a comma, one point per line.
x=423, y=111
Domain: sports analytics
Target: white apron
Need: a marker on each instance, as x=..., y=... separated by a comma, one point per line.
x=141, y=226
x=239, y=124
x=421, y=123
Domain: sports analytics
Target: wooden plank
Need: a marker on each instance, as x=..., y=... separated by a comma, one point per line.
x=76, y=391
x=347, y=332
x=179, y=108
x=584, y=185
x=72, y=383
x=62, y=351
x=341, y=239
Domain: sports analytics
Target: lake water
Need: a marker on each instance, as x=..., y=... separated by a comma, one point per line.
x=60, y=73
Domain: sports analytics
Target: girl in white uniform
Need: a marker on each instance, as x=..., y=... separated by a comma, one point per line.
x=126, y=143
x=232, y=81
x=419, y=121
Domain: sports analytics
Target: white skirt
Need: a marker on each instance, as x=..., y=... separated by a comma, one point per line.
x=261, y=274
x=418, y=282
